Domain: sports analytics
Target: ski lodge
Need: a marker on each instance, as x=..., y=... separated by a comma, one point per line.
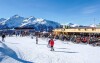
x=77, y=31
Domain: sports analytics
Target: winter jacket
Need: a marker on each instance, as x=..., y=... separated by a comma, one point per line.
x=3, y=36
x=51, y=43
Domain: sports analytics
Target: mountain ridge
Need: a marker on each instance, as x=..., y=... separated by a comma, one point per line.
x=37, y=23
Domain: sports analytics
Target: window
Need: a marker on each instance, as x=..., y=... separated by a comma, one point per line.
x=79, y=29
x=85, y=29
x=93, y=29
x=63, y=29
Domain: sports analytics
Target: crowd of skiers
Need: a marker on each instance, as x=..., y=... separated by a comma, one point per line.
x=51, y=36
x=80, y=39
x=94, y=39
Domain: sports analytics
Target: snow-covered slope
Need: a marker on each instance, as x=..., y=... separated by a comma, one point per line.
x=14, y=21
x=26, y=49
x=39, y=24
x=39, y=21
x=27, y=21
x=2, y=21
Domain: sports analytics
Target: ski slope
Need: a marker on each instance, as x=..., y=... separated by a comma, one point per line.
x=25, y=50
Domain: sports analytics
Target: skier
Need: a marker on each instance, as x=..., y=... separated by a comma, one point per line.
x=36, y=39
x=32, y=35
x=3, y=36
x=51, y=44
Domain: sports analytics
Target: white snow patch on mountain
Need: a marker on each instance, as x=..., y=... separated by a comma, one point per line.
x=2, y=21
x=93, y=25
x=39, y=21
x=70, y=24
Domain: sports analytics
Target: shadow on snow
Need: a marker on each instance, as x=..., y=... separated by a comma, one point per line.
x=9, y=52
x=66, y=51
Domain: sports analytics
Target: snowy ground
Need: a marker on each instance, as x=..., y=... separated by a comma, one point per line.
x=25, y=50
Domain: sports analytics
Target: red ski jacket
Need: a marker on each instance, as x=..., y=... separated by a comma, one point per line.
x=51, y=43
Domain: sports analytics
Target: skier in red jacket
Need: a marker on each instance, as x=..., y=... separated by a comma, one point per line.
x=51, y=44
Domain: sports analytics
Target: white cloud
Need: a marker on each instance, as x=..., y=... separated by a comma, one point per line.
x=90, y=10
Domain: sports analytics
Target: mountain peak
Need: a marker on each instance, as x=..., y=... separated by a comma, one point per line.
x=2, y=19
x=15, y=16
x=40, y=19
x=31, y=17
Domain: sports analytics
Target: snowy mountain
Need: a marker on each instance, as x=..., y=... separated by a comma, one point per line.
x=77, y=25
x=14, y=21
x=2, y=21
x=71, y=25
x=93, y=25
x=40, y=24
x=27, y=21
x=37, y=23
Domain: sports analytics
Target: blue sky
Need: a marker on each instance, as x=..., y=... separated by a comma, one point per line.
x=63, y=11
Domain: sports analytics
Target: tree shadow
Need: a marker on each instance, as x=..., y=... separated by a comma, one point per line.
x=9, y=52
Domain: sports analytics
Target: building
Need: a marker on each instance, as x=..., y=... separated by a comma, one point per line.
x=77, y=31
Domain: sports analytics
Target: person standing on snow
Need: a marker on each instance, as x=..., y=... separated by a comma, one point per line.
x=36, y=39
x=3, y=36
x=51, y=44
x=31, y=35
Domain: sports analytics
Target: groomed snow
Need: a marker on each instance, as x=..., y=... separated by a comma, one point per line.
x=65, y=52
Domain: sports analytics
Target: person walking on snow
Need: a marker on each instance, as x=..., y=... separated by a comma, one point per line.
x=51, y=44
x=31, y=35
x=3, y=36
x=36, y=39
